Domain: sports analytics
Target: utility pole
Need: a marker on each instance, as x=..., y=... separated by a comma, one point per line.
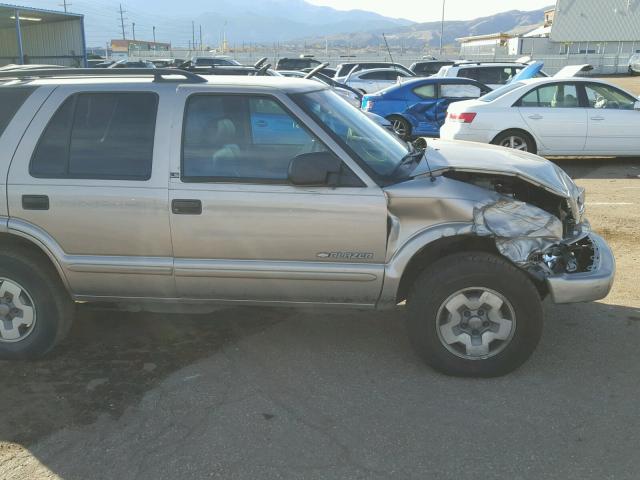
x=154, y=34
x=193, y=34
x=200, y=37
x=124, y=37
x=442, y=27
x=133, y=30
x=64, y=4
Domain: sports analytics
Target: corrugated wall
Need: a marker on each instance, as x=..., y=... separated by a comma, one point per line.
x=58, y=43
x=596, y=21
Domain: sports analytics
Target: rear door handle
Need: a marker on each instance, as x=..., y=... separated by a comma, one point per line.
x=186, y=207
x=597, y=119
x=536, y=117
x=35, y=202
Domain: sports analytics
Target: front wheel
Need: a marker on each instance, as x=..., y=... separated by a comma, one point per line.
x=474, y=314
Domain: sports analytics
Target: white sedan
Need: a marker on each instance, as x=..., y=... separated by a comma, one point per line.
x=551, y=116
x=371, y=81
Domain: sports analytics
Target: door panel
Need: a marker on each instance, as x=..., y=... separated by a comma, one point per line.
x=111, y=234
x=552, y=113
x=279, y=243
x=613, y=122
x=258, y=238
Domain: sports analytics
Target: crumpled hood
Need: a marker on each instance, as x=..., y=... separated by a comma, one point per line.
x=446, y=156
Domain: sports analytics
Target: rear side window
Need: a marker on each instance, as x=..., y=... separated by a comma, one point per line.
x=11, y=99
x=99, y=136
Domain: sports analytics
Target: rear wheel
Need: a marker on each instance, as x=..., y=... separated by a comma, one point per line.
x=516, y=139
x=401, y=127
x=35, y=310
x=474, y=314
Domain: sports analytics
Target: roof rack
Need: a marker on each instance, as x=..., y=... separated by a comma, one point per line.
x=158, y=74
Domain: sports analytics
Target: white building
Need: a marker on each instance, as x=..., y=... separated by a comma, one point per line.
x=604, y=33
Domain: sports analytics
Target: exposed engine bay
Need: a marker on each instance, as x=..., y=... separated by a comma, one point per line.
x=533, y=227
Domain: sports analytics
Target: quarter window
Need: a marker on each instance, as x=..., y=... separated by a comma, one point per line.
x=232, y=137
x=426, y=91
x=99, y=136
x=459, y=90
x=11, y=100
x=606, y=97
x=561, y=95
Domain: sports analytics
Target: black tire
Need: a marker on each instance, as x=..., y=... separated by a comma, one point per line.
x=504, y=139
x=52, y=305
x=401, y=127
x=453, y=274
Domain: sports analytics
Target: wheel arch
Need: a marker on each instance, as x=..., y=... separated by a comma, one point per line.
x=438, y=249
x=534, y=139
x=35, y=248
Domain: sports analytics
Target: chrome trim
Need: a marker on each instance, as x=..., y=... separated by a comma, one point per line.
x=121, y=265
x=276, y=270
x=222, y=302
x=586, y=286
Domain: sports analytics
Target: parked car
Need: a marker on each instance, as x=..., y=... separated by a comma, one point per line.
x=15, y=68
x=370, y=81
x=493, y=74
x=296, y=63
x=274, y=191
x=167, y=62
x=634, y=64
x=209, y=62
x=132, y=64
x=426, y=68
x=344, y=69
x=418, y=107
x=551, y=116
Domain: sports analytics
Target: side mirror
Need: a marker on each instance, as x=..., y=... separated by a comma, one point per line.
x=318, y=168
x=636, y=106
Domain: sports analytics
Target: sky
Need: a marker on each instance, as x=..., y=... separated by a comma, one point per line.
x=429, y=10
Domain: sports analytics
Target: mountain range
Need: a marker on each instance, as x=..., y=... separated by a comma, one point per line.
x=297, y=21
x=417, y=35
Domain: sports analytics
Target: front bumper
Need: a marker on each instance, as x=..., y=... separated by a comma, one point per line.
x=586, y=286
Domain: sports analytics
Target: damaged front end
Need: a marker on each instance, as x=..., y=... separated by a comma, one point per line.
x=546, y=235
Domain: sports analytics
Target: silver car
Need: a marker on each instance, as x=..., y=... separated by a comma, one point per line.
x=155, y=186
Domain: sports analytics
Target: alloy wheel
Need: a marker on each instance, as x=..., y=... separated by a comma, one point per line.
x=476, y=323
x=17, y=312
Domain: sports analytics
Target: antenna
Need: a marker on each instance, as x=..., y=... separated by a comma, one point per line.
x=389, y=50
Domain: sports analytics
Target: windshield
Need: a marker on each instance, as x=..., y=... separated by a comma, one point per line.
x=379, y=149
x=491, y=96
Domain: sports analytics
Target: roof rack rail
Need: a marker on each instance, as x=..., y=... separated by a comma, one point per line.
x=158, y=74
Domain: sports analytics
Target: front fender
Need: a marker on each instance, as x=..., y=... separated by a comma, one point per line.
x=398, y=263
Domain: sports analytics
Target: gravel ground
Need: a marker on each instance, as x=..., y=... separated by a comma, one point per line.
x=278, y=393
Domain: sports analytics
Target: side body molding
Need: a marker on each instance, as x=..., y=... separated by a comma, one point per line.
x=87, y=275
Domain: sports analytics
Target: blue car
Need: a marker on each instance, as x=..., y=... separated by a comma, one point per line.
x=418, y=108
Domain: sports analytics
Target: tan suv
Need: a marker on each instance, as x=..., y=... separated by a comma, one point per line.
x=152, y=186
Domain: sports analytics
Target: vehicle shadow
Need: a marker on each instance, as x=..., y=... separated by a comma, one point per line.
x=600, y=168
x=310, y=363
x=109, y=360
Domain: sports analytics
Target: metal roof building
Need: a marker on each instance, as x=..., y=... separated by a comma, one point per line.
x=597, y=21
x=36, y=36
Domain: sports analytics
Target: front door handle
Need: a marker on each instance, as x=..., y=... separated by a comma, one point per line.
x=186, y=207
x=35, y=202
x=597, y=119
x=536, y=117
